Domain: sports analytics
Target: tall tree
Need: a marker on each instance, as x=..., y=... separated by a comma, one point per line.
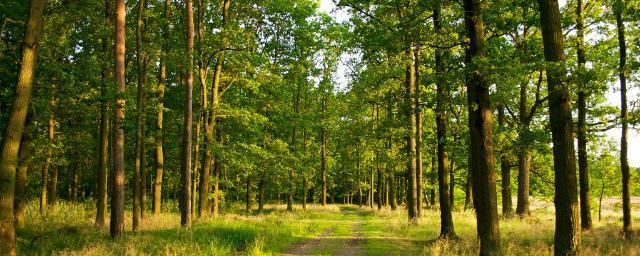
x=567, y=235
x=624, y=161
x=157, y=186
x=480, y=128
x=185, y=173
x=139, y=150
x=15, y=126
x=48, y=162
x=117, y=192
x=103, y=161
x=410, y=115
x=446, y=219
x=583, y=167
x=505, y=171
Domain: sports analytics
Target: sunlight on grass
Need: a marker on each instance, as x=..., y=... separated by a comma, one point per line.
x=67, y=229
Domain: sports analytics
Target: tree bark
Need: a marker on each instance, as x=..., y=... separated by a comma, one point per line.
x=103, y=160
x=419, y=133
x=185, y=173
x=505, y=171
x=524, y=167
x=624, y=162
x=480, y=129
x=446, y=219
x=159, y=139
x=324, y=150
x=410, y=90
x=139, y=118
x=47, y=165
x=15, y=125
x=117, y=195
x=567, y=235
x=583, y=167
x=24, y=153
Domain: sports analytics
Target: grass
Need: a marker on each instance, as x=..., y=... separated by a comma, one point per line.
x=68, y=229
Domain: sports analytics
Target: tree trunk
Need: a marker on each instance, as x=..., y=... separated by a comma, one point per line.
x=248, y=206
x=480, y=129
x=15, y=125
x=624, y=162
x=505, y=171
x=410, y=90
x=210, y=125
x=567, y=235
x=468, y=193
x=157, y=186
x=185, y=174
x=103, y=160
x=53, y=187
x=47, y=164
x=24, y=153
x=117, y=195
x=446, y=218
x=261, y=194
x=583, y=168
x=323, y=155
x=524, y=166
x=139, y=118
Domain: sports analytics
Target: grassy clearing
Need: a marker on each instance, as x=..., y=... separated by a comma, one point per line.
x=68, y=230
x=389, y=234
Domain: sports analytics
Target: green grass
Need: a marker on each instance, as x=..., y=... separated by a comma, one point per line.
x=68, y=229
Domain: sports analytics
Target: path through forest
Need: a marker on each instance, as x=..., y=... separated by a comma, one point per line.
x=345, y=237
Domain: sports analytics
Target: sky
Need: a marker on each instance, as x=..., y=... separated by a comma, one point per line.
x=613, y=96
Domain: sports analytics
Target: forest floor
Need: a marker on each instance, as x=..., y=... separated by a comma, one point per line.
x=68, y=229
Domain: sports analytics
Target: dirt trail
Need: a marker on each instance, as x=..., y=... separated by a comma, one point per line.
x=306, y=247
x=351, y=244
x=356, y=243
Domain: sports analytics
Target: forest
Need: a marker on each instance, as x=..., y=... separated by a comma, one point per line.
x=319, y=127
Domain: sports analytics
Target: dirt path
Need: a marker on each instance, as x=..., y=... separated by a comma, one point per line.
x=356, y=243
x=350, y=242
x=307, y=247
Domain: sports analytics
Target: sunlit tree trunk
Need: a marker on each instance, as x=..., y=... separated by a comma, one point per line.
x=185, y=172
x=15, y=125
x=117, y=195
x=480, y=128
x=418, y=116
x=567, y=235
x=624, y=162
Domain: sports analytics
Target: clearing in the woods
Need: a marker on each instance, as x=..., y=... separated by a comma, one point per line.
x=331, y=230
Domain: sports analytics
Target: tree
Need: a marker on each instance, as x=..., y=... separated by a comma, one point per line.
x=480, y=129
x=157, y=186
x=624, y=162
x=101, y=203
x=583, y=167
x=185, y=174
x=567, y=235
x=446, y=219
x=117, y=195
x=139, y=151
x=15, y=126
